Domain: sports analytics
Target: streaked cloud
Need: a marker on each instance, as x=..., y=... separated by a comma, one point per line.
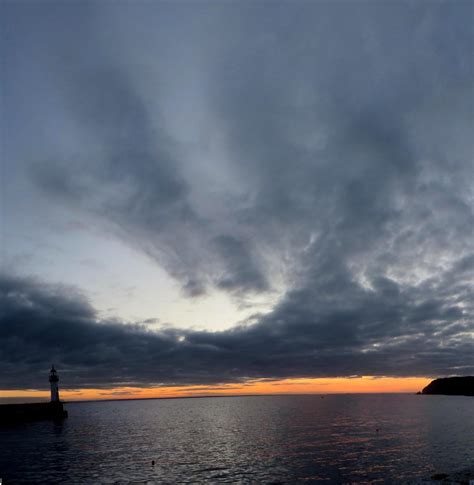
x=317, y=156
x=390, y=330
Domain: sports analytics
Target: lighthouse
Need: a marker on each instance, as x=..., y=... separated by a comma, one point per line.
x=53, y=380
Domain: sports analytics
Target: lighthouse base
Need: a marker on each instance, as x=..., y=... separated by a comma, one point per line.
x=17, y=413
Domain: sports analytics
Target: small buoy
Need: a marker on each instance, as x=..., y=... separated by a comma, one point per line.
x=152, y=462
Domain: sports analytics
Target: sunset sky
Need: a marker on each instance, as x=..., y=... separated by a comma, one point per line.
x=206, y=197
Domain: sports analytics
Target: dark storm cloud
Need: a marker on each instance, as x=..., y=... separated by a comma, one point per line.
x=125, y=168
x=388, y=330
x=345, y=131
x=135, y=185
x=325, y=135
x=242, y=270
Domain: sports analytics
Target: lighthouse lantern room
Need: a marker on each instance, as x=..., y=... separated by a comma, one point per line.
x=53, y=379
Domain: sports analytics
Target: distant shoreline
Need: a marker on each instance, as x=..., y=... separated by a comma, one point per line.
x=245, y=395
x=6, y=401
x=410, y=393
x=252, y=395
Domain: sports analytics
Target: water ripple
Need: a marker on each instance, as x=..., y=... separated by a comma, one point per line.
x=341, y=439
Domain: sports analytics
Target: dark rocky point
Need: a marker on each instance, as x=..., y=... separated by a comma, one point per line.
x=451, y=386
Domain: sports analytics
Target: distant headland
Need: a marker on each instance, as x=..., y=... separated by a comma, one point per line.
x=452, y=386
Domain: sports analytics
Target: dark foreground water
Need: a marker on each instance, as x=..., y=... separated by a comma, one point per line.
x=336, y=439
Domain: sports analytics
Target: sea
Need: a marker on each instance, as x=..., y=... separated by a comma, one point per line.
x=389, y=438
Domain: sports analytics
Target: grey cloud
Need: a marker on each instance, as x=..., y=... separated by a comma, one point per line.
x=134, y=185
x=344, y=163
x=391, y=330
x=242, y=270
x=324, y=133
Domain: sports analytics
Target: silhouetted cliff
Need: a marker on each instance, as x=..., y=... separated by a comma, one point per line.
x=453, y=386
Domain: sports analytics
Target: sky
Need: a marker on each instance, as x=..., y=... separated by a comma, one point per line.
x=206, y=196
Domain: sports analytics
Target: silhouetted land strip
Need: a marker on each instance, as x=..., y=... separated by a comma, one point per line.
x=206, y=396
x=17, y=413
x=451, y=386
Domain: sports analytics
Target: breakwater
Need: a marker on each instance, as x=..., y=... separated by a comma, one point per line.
x=13, y=413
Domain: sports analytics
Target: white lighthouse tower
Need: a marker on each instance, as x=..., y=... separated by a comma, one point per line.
x=53, y=379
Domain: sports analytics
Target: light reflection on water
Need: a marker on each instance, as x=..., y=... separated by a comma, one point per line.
x=341, y=438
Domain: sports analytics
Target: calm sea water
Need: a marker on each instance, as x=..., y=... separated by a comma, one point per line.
x=335, y=439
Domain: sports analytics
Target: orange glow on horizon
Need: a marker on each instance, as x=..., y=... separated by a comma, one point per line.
x=339, y=385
